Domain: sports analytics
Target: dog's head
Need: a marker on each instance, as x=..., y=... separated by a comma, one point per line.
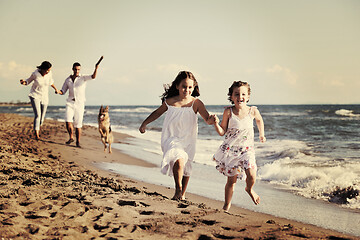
x=103, y=113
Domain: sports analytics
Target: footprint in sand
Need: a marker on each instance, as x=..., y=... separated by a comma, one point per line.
x=193, y=224
x=127, y=203
x=209, y=222
x=84, y=229
x=100, y=227
x=133, y=190
x=204, y=237
x=144, y=204
x=270, y=221
x=230, y=229
x=26, y=203
x=32, y=215
x=32, y=229
x=156, y=194
x=183, y=205
x=221, y=236
x=7, y=222
x=185, y=212
x=98, y=217
x=147, y=213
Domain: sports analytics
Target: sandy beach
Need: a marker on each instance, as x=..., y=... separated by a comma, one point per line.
x=50, y=190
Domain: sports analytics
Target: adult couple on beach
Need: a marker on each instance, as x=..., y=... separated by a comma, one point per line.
x=75, y=103
x=235, y=158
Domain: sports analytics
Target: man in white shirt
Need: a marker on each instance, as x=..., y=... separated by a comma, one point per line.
x=75, y=103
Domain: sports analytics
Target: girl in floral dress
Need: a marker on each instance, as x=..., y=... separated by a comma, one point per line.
x=235, y=158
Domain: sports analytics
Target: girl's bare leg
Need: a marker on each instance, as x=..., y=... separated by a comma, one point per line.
x=229, y=190
x=250, y=181
x=178, y=171
x=185, y=181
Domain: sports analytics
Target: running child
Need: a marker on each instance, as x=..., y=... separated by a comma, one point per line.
x=180, y=128
x=235, y=157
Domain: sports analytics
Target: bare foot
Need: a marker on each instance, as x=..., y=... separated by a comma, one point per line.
x=177, y=196
x=254, y=196
x=37, y=134
x=226, y=207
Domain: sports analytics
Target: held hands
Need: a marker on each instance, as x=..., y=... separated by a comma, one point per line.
x=213, y=119
x=59, y=92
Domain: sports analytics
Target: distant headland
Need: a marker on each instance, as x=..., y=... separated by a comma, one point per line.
x=17, y=103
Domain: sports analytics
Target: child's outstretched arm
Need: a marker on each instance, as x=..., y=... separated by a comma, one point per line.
x=260, y=124
x=222, y=128
x=200, y=107
x=153, y=116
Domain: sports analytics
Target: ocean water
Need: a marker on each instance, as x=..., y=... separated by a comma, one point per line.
x=312, y=156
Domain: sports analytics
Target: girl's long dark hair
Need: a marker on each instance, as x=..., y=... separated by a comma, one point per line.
x=171, y=91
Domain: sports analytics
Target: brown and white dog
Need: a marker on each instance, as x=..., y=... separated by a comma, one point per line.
x=104, y=127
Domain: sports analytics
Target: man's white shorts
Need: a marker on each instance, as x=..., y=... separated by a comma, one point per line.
x=74, y=113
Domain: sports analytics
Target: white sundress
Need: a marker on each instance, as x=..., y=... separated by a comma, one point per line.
x=236, y=153
x=178, y=138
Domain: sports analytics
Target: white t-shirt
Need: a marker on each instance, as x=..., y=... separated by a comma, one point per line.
x=76, y=88
x=40, y=87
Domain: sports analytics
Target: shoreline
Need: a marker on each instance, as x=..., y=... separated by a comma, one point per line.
x=50, y=189
x=277, y=202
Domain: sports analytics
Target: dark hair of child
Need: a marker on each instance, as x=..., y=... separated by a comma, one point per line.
x=237, y=84
x=171, y=91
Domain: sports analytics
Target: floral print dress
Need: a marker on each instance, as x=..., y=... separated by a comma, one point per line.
x=236, y=153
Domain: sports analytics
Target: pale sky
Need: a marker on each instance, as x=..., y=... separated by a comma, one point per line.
x=291, y=52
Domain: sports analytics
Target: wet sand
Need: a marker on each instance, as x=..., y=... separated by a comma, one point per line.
x=50, y=190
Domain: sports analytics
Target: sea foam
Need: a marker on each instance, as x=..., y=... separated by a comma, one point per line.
x=347, y=113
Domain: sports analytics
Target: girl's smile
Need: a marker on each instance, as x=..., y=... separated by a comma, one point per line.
x=186, y=87
x=240, y=95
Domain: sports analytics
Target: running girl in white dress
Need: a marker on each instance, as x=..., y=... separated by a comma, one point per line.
x=180, y=128
x=235, y=157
